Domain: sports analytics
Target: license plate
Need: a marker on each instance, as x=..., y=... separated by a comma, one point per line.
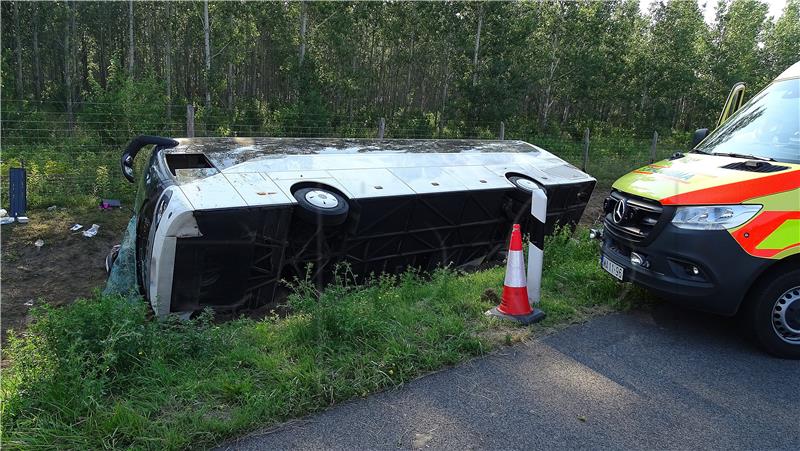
x=611, y=267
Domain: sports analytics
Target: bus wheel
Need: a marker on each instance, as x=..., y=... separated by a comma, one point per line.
x=321, y=206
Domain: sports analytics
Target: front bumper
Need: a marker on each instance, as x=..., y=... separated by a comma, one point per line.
x=726, y=271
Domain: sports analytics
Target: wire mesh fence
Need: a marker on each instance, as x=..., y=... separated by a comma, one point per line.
x=73, y=160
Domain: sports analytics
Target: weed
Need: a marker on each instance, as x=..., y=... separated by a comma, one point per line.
x=100, y=374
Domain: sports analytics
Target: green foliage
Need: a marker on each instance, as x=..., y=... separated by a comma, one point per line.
x=99, y=373
x=547, y=69
x=782, y=43
x=553, y=63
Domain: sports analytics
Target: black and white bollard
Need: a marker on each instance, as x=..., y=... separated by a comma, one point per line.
x=536, y=245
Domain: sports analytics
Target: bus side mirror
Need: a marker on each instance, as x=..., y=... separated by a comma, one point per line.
x=699, y=135
x=136, y=144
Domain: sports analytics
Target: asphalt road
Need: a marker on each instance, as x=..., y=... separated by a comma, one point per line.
x=666, y=378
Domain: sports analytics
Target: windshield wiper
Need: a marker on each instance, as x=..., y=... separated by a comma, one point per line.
x=743, y=155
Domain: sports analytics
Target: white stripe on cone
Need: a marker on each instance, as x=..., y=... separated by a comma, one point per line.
x=515, y=270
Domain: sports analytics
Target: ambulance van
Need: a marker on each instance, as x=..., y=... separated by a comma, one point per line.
x=718, y=228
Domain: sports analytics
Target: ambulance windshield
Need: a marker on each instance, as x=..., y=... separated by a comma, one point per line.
x=768, y=126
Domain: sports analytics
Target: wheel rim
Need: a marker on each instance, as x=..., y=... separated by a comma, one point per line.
x=321, y=199
x=786, y=316
x=529, y=185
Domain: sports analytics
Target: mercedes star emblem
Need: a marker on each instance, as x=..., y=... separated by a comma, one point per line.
x=619, y=211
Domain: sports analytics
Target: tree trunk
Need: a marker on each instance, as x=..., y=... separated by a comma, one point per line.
x=207, y=34
x=37, y=68
x=130, y=38
x=444, y=104
x=477, y=47
x=83, y=85
x=18, y=51
x=230, y=85
x=70, y=26
x=303, y=24
x=187, y=83
x=549, y=96
x=102, y=56
x=408, y=98
x=168, y=63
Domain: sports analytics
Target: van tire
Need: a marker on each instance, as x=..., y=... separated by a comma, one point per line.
x=315, y=212
x=777, y=293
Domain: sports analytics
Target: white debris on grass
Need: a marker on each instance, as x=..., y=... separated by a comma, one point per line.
x=92, y=231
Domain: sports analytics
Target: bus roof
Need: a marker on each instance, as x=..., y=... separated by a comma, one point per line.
x=227, y=152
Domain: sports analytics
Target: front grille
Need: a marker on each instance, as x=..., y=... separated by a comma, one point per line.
x=636, y=220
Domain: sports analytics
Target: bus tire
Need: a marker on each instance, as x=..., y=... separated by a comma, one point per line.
x=317, y=205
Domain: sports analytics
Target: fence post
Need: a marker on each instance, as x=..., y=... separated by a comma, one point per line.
x=190, y=121
x=585, y=149
x=502, y=130
x=653, y=147
x=381, y=128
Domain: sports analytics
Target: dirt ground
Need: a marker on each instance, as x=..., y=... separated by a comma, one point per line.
x=593, y=215
x=66, y=267
x=70, y=266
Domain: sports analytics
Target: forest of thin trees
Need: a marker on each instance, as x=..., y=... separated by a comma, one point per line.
x=80, y=78
x=552, y=66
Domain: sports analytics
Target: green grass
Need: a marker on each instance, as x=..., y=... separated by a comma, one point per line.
x=100, y=374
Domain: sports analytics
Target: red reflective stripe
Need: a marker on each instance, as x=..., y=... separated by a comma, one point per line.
x=760, y=228
x=737, y=192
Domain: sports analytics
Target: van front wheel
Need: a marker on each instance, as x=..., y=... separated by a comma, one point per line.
x=773, y=312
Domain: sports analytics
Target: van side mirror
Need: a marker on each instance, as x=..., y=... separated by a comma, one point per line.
x=699, y=135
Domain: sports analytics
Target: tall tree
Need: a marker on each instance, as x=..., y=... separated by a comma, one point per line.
x=131, y=45
x=735, y=52
x=207, y=40
x=477, y=46
x=69, y=33
x=37, y=67
x=167, y=30
x=18, y=50
x=303, y=25
x=782, y=42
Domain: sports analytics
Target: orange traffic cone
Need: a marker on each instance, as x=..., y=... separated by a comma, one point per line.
x=514, y=304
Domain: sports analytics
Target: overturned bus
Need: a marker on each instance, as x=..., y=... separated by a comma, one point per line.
x=220, y=222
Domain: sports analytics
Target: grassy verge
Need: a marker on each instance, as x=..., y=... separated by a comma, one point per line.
x=99, y=374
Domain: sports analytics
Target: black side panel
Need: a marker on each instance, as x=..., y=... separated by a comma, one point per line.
x=245, y=253
x=392, y=234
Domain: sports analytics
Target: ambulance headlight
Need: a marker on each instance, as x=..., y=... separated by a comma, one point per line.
x=714, y=217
